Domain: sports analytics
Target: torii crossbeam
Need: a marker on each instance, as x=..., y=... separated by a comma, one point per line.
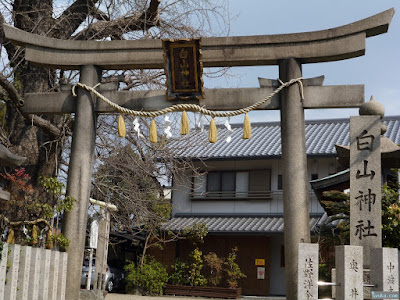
x=288, y=51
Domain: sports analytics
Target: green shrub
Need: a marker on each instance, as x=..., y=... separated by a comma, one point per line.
x=195, y=267
x=232, y=269
x=61, y=241
x=149, y=279
x=180, y=271
x=214, y=267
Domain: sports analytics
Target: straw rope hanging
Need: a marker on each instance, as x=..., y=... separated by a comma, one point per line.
x=189, y=107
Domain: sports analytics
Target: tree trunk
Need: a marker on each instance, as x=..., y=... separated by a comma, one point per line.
x=43, y=150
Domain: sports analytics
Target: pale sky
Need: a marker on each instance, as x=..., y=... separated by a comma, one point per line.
x=378, y=69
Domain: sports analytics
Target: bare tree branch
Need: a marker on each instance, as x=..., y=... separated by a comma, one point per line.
x=98, y=14
x=45, y=125
x=14, y=95
x=3, y=41
x=116, y=28
x=72, y=18
x=18, y=102
x=152, y=12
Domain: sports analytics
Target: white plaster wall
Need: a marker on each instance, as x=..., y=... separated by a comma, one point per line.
x=277, y=273
x=248, y=207
x=213, y=207
x=181, y=192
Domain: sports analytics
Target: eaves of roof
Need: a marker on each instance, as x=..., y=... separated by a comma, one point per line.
x=266, y=225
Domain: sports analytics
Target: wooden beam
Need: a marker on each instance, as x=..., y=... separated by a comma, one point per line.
x=319, y=46
x=344, y=96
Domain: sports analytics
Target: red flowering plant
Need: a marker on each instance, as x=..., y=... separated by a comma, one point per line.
x=21, y=194
x=30, y=213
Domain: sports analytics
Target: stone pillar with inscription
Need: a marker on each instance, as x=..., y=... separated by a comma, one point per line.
x=365, y=199
x=307, y=280
x=385, y=269
x=365, y=179
x=349, y=272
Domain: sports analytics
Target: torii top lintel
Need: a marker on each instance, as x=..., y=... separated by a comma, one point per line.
x=333, y=44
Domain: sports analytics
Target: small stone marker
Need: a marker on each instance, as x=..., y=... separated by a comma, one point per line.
x=23, y=276
x=12, y=274
x=3, y=269
x=62, y=277
x=45, y=274
x=366, y=280
x=35, y=274
x=349, y=272
x=365, y=183
x=307, y=284
x=385, y=269
x=54, y=273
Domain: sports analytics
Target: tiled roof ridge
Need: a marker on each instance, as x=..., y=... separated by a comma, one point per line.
x=309, y=122
x=321, y=137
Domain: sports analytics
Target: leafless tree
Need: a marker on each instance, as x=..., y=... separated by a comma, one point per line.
x=45, y=139
x=42, y=138
x=135, y=175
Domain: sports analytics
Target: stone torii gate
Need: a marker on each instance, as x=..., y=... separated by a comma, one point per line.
x=288, y=51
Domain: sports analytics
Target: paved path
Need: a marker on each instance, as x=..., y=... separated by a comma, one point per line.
x=114, y=296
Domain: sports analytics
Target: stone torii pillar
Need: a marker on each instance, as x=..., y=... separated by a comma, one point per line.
x=288, y=51
x=295, y=179
x=80, y=173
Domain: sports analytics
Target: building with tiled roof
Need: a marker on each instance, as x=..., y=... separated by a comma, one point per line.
x=265, y=142
x=239, y=194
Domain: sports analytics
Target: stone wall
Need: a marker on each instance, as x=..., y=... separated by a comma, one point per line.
x=32, y=273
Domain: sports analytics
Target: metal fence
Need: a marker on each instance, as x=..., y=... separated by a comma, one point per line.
x=32, y=273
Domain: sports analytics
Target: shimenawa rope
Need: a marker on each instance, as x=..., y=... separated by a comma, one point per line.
x=189, y=107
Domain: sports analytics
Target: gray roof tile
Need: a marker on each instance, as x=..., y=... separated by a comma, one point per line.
x=321, y=137
x=270, y=225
